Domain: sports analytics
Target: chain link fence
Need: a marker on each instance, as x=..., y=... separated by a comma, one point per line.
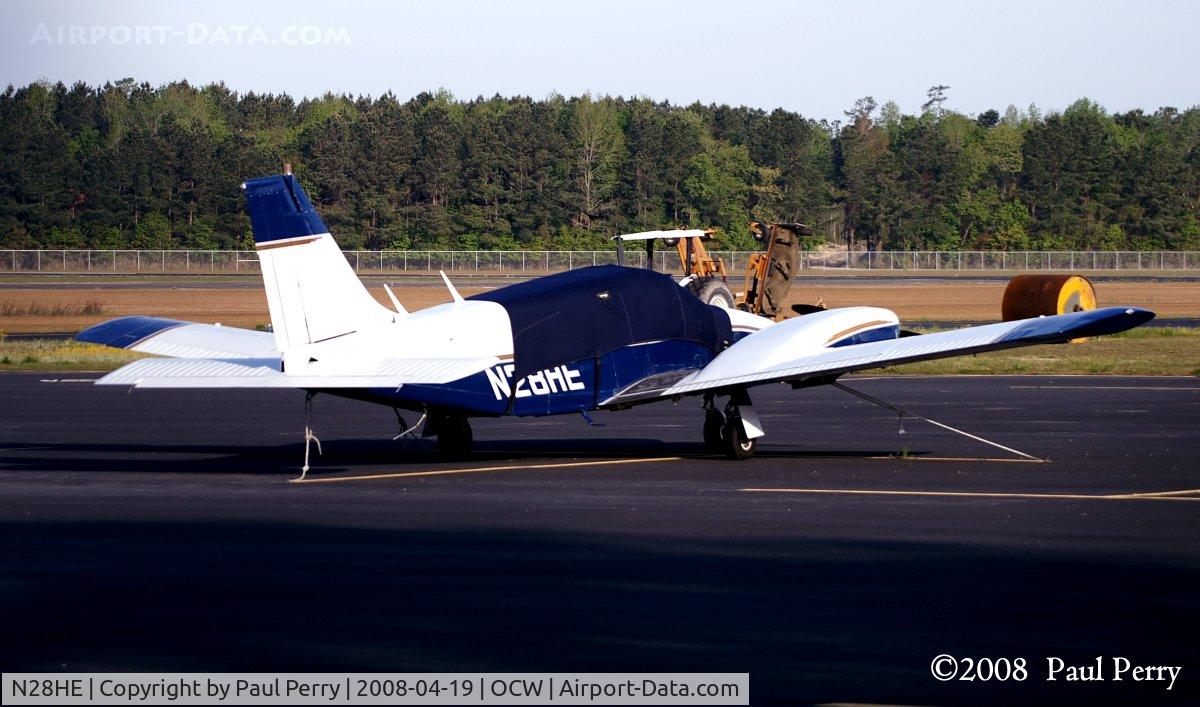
x=126, y=262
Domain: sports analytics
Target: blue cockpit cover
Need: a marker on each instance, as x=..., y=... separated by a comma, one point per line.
x=588, y=312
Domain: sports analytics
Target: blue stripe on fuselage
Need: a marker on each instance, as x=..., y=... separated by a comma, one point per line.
x=882, y=333
x=565, y=388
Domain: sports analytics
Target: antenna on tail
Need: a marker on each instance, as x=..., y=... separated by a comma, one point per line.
x=453, y=292
x=395, y=302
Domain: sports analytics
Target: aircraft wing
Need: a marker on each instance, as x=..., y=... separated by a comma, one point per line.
x=741, y=364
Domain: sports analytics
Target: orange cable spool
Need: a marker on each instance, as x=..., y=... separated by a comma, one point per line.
x=1029, y=296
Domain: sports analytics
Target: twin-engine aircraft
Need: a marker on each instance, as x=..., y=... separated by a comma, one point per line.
x=597, y=338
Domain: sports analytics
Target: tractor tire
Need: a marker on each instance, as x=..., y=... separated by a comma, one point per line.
x=712, y=290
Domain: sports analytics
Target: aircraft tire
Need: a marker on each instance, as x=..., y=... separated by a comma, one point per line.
x=714, y=431
x=737, y=445
x=454, y=437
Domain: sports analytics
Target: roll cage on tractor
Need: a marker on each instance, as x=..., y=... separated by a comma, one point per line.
x=768, y=273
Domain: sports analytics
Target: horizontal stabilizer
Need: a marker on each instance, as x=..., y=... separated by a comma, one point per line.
x=265, y=373
x=170, y=337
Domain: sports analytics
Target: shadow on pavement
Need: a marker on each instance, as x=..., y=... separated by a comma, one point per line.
x=812, y=620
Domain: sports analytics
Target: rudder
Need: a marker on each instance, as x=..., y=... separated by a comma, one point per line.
x=312, y=292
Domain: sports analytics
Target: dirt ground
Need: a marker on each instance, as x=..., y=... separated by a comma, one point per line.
x=49, y=309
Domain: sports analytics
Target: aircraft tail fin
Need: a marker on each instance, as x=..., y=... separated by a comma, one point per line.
x=312, y=292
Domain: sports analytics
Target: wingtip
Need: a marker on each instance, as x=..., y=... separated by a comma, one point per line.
x=1113, y=320
x=1134, y=316
x=1144, y=315
x=125, y=332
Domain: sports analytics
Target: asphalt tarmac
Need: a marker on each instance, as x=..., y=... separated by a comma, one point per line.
x=156, y=530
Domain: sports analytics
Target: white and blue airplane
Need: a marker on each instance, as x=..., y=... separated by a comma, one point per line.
x=597, y=338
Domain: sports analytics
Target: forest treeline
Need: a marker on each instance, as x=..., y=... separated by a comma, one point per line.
x=128, y=165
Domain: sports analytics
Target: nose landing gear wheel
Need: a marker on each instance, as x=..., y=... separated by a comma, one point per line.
x=714, y=431
x=736, y=444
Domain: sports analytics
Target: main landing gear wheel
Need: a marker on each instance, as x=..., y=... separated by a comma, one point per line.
x=735, y=442
x=454, y=436
x=714, y=431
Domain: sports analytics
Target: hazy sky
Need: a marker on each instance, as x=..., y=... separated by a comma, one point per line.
x=813, y=57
